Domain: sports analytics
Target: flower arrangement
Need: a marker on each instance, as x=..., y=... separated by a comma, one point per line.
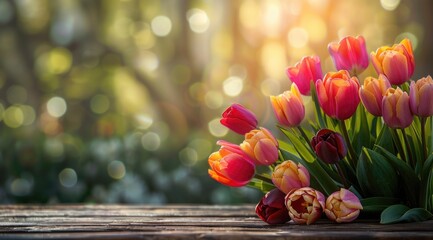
x=367, y=150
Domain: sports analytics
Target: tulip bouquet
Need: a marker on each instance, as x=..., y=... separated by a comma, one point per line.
x=367, y=150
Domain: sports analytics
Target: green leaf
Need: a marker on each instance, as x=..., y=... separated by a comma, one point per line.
x=261, y=185
x=359, y=126
x=384, y=140
x=411, y=182
x=377, y=204
x=375, y=175
x=401, y=213
x=301, y=147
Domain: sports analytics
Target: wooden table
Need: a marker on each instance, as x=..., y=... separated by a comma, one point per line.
x=180, y=222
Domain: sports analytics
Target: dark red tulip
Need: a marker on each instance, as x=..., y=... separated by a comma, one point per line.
x=271, y=208
x=329, y=146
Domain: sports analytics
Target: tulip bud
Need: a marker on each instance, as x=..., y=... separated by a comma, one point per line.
x=396, y=108
x=329, y=146
x=338, y=94
x=288, y=176
x=261, y=146
x=271, y=208
x=421, y=97
x=342, y=206
x=230, y=165
x=305, y=205
x=372, y=92
x=239, y=119
x=304, y=72
x=397, y=63
x=350, y=54
x=288, y=107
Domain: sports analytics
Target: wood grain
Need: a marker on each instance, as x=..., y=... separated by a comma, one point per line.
x=180, y=222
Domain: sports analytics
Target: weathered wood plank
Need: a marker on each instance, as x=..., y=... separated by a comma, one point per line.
x=180, y=222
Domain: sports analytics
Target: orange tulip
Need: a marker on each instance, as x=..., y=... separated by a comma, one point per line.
x=261, y=146
x=397, y=63
x=230, y=165
x=288, y=176
x=289, y=107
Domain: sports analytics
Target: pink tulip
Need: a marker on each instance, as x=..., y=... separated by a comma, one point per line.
x=305, y=205
x=289, y=107
x=421, y=97
x=338, y=94
x=271, y=208
x=239, y=119
x=396, y=108
x=230, y=165
x=372, y=92
x=349, y=54
x=304, y=72
x=342, y=206
x=397, y=63
x=261, y=146
x=288, y=176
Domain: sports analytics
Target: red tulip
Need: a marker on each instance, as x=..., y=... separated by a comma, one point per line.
x=421, y=97
x=239, y=119
x=271, y=208
x=397, y=63
x=338, y=94
x=304, y=72
x=329, y=146
x=261, y=146
x=349, y=54
x=289, y=107
x=396, y=108
x=372, y=92
x=230, y=165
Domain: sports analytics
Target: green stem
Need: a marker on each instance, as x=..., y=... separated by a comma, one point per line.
x=398, y=144
x=409, y=151
x=423, y=139
x=317, y=105
x=305, y=137
x=342, y=175
x=353, y=158
x=263, y=178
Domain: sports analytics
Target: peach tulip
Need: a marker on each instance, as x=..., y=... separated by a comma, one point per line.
x=288, y=107
x=397, y=63
x=230, y=165
x=421, y=97
x=288, y=176
x=261, y=146
x=350, y=54
x=342, y=206
x=338, y=94
x=304, y=72
x=396, y=108
x=372, y=92
x=305, y=205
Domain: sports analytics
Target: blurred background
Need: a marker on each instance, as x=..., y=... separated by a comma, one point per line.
x=119, y=101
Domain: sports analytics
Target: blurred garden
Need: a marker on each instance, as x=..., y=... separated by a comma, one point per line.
x=119, y=101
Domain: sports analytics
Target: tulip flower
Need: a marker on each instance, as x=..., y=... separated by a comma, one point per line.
x=305, y=205
x=421, y=97
x=288, y=107
x=288, y=176
x=304, y=72
x=239, y=119
x=271, y=208
x=372, y=92
x=349, y=54
x=261, y=146
x=338, y=94
x=342, y=206
x=230, y=165
x=329, y=146
x=397, y=63
x=396, y=108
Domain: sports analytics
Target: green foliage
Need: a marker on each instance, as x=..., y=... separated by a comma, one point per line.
x=401, y=213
